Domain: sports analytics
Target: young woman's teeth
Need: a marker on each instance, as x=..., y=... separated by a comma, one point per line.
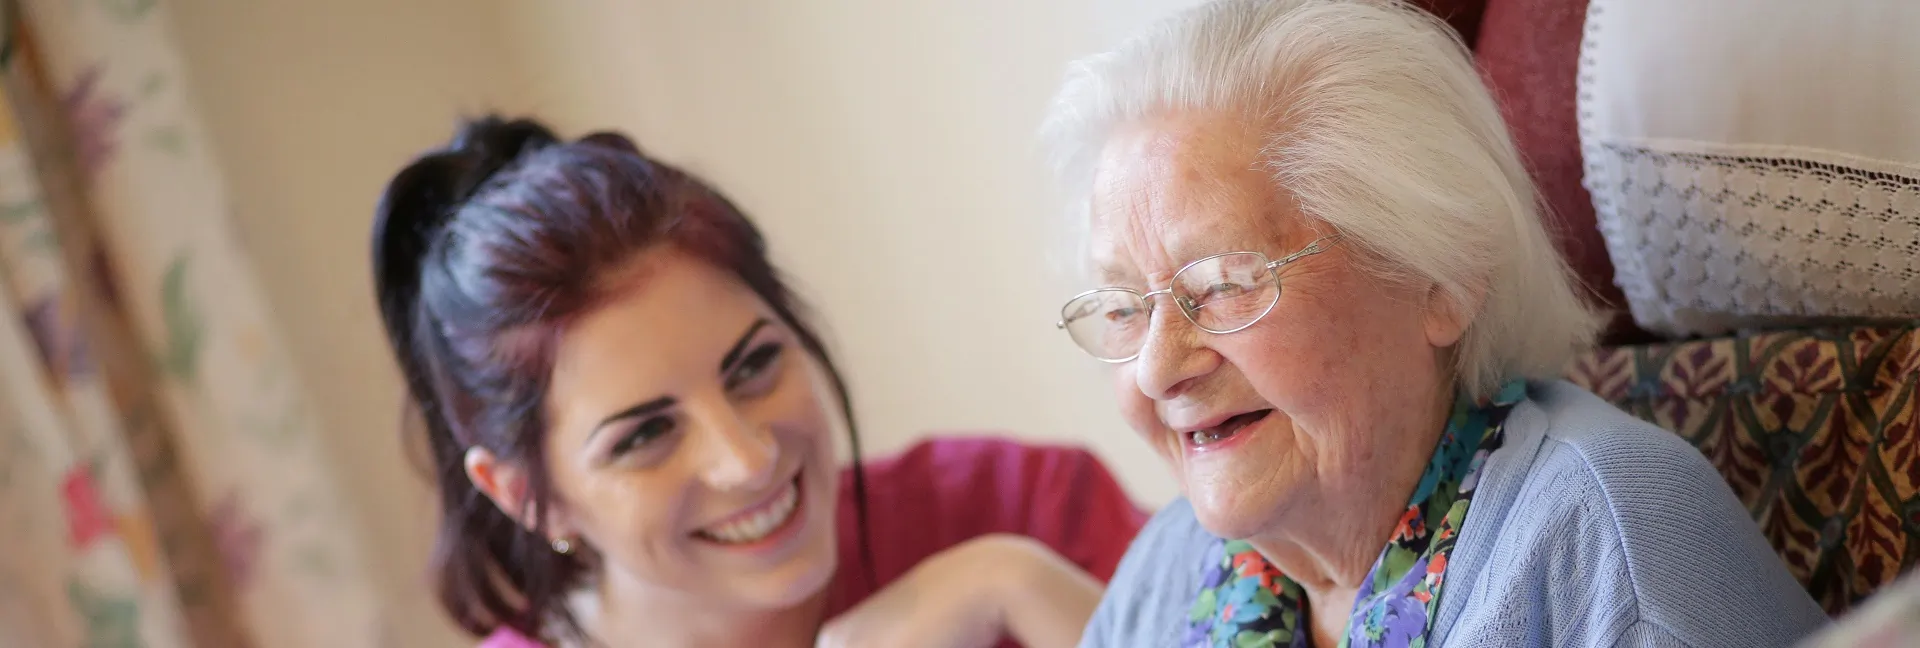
x=761, y=523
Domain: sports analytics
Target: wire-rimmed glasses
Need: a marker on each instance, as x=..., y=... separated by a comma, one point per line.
x=1223, y=293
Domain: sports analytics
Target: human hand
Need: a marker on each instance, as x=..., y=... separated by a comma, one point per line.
x=957, y=598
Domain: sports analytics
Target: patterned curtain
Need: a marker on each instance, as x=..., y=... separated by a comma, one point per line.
x=161, y=481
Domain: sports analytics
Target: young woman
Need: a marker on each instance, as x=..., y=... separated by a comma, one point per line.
x=632, y=428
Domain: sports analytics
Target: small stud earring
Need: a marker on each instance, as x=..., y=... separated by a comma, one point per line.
x=562, y=546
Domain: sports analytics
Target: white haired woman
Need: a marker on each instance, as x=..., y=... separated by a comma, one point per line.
x=1331, y=306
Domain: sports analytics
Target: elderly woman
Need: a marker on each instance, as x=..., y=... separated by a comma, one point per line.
x=1331, y=307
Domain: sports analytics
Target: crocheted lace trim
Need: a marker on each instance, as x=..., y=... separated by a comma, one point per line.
x=1706, y=241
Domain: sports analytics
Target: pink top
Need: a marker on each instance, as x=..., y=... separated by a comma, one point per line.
x=941, y=492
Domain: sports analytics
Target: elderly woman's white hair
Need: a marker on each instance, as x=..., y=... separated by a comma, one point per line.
x=1376, y=122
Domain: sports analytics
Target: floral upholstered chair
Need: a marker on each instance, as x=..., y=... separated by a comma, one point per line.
x=1742, y=254
x=1818, y=432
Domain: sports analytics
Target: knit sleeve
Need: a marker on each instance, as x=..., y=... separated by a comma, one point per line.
x=1649, y=635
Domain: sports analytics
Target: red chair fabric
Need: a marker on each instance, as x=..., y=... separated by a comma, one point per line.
x=1529, y=52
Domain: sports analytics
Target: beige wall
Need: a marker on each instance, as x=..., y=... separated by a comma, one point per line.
x=886, y=147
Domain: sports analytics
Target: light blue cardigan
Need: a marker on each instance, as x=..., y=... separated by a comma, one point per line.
x=1589, y=528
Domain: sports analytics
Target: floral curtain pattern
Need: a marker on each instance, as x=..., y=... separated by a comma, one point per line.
x=161, y=480
x=85, y=571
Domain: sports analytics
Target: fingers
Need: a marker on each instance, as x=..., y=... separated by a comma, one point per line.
x=876, y=628
x=844, y=633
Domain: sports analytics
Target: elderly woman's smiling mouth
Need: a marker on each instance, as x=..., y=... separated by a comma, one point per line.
x=1218, y=432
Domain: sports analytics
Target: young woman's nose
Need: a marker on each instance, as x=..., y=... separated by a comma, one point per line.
x=739, y=453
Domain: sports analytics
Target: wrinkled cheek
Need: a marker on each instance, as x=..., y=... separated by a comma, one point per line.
x=1140, y=415
x=1134, y=406
x=1247, y=495
x=1212, y=488
x=1234, y=477
x=1221, y=502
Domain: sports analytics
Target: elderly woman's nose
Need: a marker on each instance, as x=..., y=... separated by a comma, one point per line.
x=1171, y=359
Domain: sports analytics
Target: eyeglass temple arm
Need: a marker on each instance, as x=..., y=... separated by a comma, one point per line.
x=1311, y=249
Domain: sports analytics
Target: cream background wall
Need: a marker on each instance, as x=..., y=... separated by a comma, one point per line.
x=886, y=148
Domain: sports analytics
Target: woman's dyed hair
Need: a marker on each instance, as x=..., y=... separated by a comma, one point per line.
x=483, y=251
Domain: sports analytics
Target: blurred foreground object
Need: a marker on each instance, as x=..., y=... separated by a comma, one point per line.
x=1889, y=620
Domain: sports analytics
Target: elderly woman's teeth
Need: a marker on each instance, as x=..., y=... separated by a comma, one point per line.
x=1209, y=435
x=1226, y=429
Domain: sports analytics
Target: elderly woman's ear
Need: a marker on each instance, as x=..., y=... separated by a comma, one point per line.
x=1447, y=315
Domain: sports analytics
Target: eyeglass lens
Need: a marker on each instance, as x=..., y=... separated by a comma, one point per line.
x=1220, y=294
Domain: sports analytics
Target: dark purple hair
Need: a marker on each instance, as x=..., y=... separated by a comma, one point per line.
x=482, y=252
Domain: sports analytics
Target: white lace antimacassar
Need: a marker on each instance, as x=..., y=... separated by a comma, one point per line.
x=1709, y=242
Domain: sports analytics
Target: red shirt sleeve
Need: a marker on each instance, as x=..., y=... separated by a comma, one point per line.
x=942, y=492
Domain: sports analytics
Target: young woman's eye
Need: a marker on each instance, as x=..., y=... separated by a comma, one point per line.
x=758, y=364
x=642, y=433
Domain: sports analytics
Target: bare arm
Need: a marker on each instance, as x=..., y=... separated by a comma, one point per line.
x=970, y=595
x=1046, y=600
